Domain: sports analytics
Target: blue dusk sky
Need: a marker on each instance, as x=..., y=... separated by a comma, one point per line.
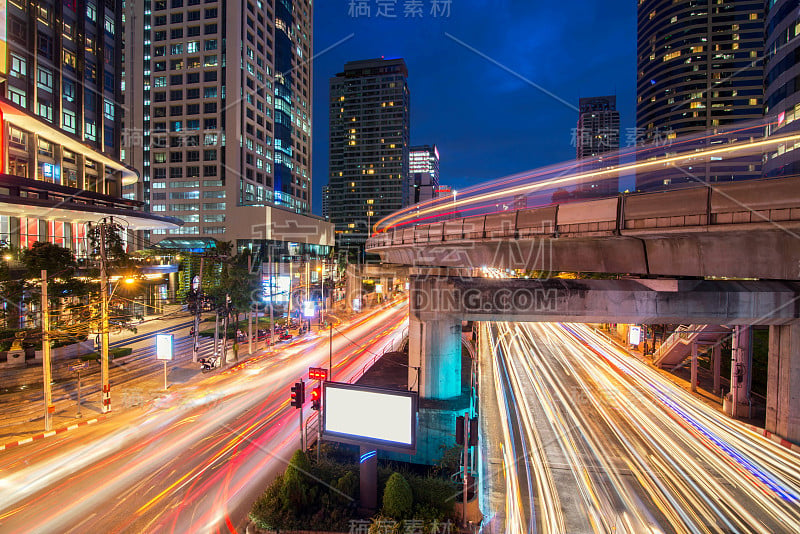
x=494, y=83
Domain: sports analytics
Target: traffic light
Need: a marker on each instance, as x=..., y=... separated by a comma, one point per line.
x=473, y=431
x=460, y=430
x=316, y=398
x=298, y=394
x=317, y=373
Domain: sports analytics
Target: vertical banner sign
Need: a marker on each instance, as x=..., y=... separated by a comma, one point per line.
x=3, y=36
x=164, y=346
x=309, y=309
x=635, y=335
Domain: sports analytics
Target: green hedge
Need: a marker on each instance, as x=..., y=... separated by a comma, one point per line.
x=112, y=353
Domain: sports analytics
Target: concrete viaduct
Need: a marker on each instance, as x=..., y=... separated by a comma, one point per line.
x=739, y=230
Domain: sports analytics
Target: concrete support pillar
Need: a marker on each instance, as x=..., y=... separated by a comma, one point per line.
x=783, y=384
x=716, y=366
x=435, y=348
x=738, y=404
x=694, y=367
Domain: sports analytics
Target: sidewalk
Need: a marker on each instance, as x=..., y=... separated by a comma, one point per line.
x=174, y=314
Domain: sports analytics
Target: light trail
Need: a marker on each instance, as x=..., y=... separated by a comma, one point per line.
x=546, y=179
x=192, y=462
x=618, y=447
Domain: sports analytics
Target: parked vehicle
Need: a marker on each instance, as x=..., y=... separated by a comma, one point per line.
x=207, y=364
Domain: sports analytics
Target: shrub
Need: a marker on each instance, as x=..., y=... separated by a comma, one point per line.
x=116, y=352
x=397, y=497
x=296, y=492
x=434, y=493
x=349, y=485
x=267, y=510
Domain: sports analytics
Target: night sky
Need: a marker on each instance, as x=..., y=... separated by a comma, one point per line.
x=469, y=93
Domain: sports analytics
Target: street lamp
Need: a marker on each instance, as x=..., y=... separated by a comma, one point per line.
x=454, y=203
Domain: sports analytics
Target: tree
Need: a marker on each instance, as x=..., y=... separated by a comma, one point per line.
x=116, y=256
x=237, y=283
x=295, y=493
x=57, y=260
x=397, y=497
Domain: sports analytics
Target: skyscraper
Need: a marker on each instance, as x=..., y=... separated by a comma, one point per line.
x=782, y=84
x=369, y=139
x=60, y=88
x=598, y=126
x=326, y=202
x=699, y=69
x=423, y=169
x=219, y=95
x=597, y=133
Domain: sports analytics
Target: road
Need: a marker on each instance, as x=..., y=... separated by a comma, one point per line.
x=595, y=441
x=191, y=460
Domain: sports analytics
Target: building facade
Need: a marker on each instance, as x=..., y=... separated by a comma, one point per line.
x=598, y=126
x=782, y=84
x=699, y=69
x=596, y=135
x=423, y=169
x=60, y=93
x=219, y=99
x=369, y=140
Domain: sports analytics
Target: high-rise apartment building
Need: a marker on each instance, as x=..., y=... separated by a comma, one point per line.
x=218, y=100
x=699, y=70
x=326, y=202
x=60, y=144
x=597, y=134
x=369, y=139
x=423, y=170
x=782, y=84
x=598, y=126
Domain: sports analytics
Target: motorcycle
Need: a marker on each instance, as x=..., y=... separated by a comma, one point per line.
x=207, y=364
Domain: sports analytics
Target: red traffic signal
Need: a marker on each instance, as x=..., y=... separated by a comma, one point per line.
x=298, y=394
x=316, y=398
x=317, y=373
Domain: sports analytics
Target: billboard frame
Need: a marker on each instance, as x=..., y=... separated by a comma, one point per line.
x=363, y=441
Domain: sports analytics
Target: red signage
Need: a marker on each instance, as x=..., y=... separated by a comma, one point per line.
x=317, y=373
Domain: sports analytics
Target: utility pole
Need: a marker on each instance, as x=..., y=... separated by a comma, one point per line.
x=48, y=393
x=322, y=286
x=308, y=284
x=198, y=311
x=216, y=330
x=104, y=374
x=225, y=323
x=271, y=299
x=250, y=311
x=291, y=285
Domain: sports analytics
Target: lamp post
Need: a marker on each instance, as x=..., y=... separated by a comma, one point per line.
x=455, y=193
x=105, y=298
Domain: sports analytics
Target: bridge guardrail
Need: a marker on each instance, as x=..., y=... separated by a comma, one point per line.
x=753, y=201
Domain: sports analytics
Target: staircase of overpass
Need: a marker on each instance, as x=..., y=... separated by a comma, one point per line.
x=678, y=346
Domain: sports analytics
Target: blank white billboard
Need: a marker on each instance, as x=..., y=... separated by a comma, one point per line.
x=371, y=416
